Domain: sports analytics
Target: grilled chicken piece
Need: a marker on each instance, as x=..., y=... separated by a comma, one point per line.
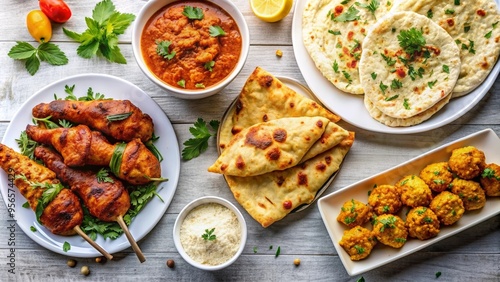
x=105, y=200
x=96, y=115
x=80, y=146
x=63, y=213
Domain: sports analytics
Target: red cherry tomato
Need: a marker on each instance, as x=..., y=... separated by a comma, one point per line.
x=56, y=10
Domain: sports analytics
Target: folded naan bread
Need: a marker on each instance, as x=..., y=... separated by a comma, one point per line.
x=270, y=197
x=274, y=145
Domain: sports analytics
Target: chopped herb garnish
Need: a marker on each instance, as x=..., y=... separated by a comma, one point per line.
x=26, y=205
x=162, y=49
x=347, y=76
x=489, y=173
x=209, y=65
x=396, y=84
x=255, y=249
x=182, y=83
x=431, y=83
x=411, y=40
x=359, y=249
x=193, y=13
x=449, y=11
x=349, y=16
x=335, y=67
x=439, y=272
x=374, y=75
x=383, y=87
x=390, y=61
x=199, y=85
x=66, y=246
x=488, y=35
x=457, y=2
x=216, y=30
x=33, y=228
x=430, y=14
x=372, y=7
x=278, y=251
x=334, y=32
x=388, y=222
x=446, y=69
x=391, y=98
x=405, y=104
x=466, y=27
x=103, y=176
x=208, y=235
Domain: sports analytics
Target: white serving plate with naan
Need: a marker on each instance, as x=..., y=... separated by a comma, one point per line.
x=351, y=108
x=329, y=205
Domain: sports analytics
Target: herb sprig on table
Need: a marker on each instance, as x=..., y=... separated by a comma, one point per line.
x=101, y=36
x=46, y=52
x=199, y=143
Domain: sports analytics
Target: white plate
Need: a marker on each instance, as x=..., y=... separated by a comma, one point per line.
x=298, y=87
x=143, y=223
x=351, y=108
x=329, y=206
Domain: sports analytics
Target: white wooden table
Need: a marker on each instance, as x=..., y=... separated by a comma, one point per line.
x=472, y=255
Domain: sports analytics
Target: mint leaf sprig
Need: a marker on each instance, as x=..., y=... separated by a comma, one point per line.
x=101, y=36
x=46, y=51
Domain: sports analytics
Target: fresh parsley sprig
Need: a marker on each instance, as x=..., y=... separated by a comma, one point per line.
x=193, y=13
x=201, y=133
x=215, y=30
x=46, y=51
x=209, y=235
x=163, y=51
x=349, y=16
x=411, y=40
x=372, y=7
x=101, y=36
x=27, y=145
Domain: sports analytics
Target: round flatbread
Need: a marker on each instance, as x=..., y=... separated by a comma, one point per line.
x=473, y=26
x=400, y=122
x=408, y=64
x=333, y=32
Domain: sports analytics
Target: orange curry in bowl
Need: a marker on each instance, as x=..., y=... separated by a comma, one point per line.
x=191, y=44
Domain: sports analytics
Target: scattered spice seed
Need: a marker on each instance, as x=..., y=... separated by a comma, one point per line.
x=85, y=270
x=296, y=262
x=71, y=263
x=170, y=263
x=279, y=53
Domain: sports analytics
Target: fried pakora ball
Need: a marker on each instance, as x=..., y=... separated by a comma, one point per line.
x=467, y=162
x=490, y=180
x=470, y=192
x=448, y=207
x=437, y=176
x=390, y=230
x=414, y=192
x=358, y=242
x=422, y=223
x=385, y=199
x=354, y=213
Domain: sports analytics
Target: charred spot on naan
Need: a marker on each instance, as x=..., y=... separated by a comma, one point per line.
x=260, y=141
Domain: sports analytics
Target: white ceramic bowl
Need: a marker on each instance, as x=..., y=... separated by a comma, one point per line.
x=187, y=209
x=150, y=8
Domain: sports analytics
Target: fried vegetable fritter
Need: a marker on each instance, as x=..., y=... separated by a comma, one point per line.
x=358, y=242
x=390, y=230
x=448, y=207
x=470, y=192
x=385, y=199
x=467, y=162
x=354, y=213
x=490, y=180
x=422, y=223
x=437, y=176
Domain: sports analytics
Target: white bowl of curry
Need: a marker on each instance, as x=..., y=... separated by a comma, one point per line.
x=190, y=48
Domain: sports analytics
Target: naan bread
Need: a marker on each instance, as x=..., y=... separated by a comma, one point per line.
x=270, y=197
x=265, y=98
x=473, y=25
x=331, y=137
x=397, y=122
x=397, y=84
x=274, y=145
x=333, y=39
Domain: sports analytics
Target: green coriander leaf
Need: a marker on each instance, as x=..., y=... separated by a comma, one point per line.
x=488, y=35
x=214, y=124
x=390, y=61
x=216, y=30
x=372, y=7
x=120, y=22
x=66, y=246
x=361, y=279
x=396, y=84
x=33, y=228
x=254, y=250
x=209, y=65
x=26, y=205
x=22, y=51
x=199, y=85
x=278, y=251
x=494, y=25
x=466, y=27
x=411, y=40
x=103, y=10
x=103, y=176
x=182, y=83
x=334, y=32
x=430, y=14
x=383, y=87
x=431, y=83
x=51, y=54
x=457, y=2
x=193, y=13
x=350, y=15
x=162, y=49
x=391, y=98
x=405, y=104
x=201, y=133
x=449, y=12
x=208, y=235
x=359, y=249
x=374, y=75
x=347, y=76
x=446, y=69
x=439, y=272
x=335, y=67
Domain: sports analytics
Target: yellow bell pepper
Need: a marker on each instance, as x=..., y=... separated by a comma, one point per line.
x=39, y=26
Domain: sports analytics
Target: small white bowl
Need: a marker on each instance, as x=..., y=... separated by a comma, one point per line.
x=150, y=8
x=187, y=209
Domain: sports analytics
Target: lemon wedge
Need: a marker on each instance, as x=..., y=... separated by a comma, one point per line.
x=271, y=10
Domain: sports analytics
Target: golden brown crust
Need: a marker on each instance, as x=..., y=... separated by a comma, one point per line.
x=414, y=192
x=470, y=192
x=437, y=176
x=490, y=180
x=354, y=213
x=448, y=207
x=94, y=114
x=385, y=199
x=422, y=223
x=358, y=242
x=467, y=162
x=390, y=230
x=63, y=213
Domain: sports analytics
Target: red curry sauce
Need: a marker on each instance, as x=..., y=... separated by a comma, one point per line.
x=194, y=48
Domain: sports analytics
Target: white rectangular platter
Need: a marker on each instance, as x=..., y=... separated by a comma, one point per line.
x=329, y=206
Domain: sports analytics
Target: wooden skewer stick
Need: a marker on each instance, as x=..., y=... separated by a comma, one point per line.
x=131, y=239
x=94, y=244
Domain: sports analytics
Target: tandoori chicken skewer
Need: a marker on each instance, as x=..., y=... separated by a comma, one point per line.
x=106, y=200
x=61, y=215
x=132, y=161
x=119, y=119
